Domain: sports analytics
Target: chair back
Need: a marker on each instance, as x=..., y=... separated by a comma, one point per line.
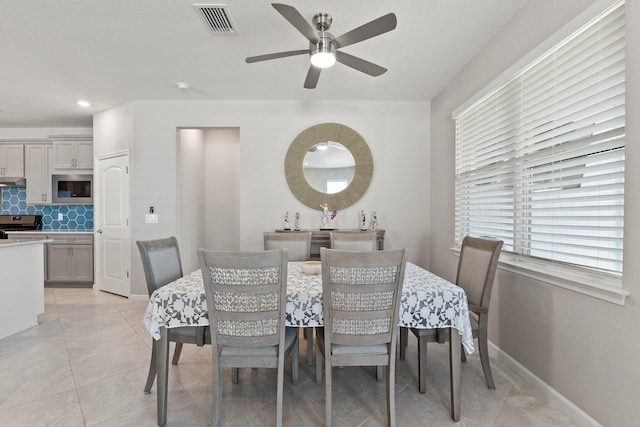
x=297, y=243
x=246, y=295
x=477, y=268
x=361, y=295
x=161, y=261
x=354, y=240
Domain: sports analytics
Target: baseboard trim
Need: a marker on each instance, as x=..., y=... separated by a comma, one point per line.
x=139, y=297
x=556, y=400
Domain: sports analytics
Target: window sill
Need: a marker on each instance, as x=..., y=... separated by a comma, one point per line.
x=607, y=287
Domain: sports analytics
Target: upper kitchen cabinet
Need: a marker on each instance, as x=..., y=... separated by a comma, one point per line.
x=12, y=160
x=73, y=154
x=38, y=173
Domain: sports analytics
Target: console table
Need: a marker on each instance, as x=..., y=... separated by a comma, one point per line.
x=320, y=239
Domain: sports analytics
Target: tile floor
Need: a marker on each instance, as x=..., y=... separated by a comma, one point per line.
x=86, y=363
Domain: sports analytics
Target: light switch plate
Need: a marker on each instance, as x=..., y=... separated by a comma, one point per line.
x=151, y=218
x=60, y=217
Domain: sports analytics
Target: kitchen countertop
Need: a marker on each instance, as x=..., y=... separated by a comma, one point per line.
x=52, y=232
x=9, y=243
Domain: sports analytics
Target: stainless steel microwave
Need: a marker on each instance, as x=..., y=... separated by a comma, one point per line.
x=72, y=189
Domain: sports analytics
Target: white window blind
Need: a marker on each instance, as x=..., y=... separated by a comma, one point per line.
x=540, y=161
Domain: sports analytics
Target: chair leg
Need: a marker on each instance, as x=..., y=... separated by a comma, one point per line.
x=308, y=334
x=176, y=353
x=217, y=396
x=152, y=369
x=295, y=363
x=318, y=366
x=454, y=372
x=422, y=364
x=280, y=391
x=483, y=346
x=391, y=395
x=404, y=341
x=328, y=383
x=380, y=373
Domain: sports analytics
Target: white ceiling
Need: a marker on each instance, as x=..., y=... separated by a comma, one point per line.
x=53, y=53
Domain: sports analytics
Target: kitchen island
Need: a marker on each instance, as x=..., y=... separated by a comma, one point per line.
x=21, y=284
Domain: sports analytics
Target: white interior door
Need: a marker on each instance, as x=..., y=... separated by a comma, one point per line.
x=113, y=237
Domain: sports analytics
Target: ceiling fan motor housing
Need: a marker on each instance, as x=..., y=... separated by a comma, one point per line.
x=322, y=21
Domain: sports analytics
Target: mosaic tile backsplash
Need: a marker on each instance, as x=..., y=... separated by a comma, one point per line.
x=74, y=217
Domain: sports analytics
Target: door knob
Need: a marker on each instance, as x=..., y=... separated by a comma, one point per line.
x=99, y=231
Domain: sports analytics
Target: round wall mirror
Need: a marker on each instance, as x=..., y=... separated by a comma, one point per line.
x=339, y=179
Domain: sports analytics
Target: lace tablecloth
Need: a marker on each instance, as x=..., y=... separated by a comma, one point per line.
x=428, y=301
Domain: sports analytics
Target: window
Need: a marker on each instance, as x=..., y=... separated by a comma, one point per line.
x=540, y=161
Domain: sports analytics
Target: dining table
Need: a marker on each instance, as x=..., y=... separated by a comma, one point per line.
x=427, y=302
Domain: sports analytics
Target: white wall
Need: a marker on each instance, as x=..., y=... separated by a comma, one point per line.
x=397, y=133
x=585, y=348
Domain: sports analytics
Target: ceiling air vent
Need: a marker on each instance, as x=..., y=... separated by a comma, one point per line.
x=216, y=17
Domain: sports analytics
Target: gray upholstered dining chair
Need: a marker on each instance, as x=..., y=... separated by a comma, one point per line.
x=298, y=245
x=246, y=295
x=354, y=240
x=476, y=270
x=162, y=264
x=361, y=296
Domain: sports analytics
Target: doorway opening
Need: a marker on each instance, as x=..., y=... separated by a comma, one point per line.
x=208, y=173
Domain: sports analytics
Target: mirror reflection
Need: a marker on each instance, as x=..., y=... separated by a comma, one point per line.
x=328, y=167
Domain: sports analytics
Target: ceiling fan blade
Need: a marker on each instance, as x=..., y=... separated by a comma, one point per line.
x=292, y=15
x=312, y=77
x=360, y=64
x=374, y=28
x=276, y=55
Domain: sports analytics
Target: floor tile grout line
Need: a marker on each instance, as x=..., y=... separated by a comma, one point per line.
x=73, y=375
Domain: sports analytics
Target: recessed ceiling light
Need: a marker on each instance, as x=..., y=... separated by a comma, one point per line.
x=83, y=103
x=183, y=85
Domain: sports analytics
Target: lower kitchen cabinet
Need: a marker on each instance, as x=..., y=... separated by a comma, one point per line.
x=70, y=258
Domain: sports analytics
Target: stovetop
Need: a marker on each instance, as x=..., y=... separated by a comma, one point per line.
x=20, y=222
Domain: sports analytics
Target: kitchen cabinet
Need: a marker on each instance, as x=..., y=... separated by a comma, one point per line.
x=70, y=258
x=76, y=154
x=38, y=173
x=12, y=160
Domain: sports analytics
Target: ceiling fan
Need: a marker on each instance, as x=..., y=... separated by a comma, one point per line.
x=323, y=46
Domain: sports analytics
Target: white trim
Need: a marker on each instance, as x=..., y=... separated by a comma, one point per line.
x=113, y=154
x=590, y=13
x=556, y=400
x=139, y=297
x=603, y=286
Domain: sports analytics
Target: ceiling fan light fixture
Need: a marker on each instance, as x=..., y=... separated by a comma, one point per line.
x=323, y=59
x=323, y=54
